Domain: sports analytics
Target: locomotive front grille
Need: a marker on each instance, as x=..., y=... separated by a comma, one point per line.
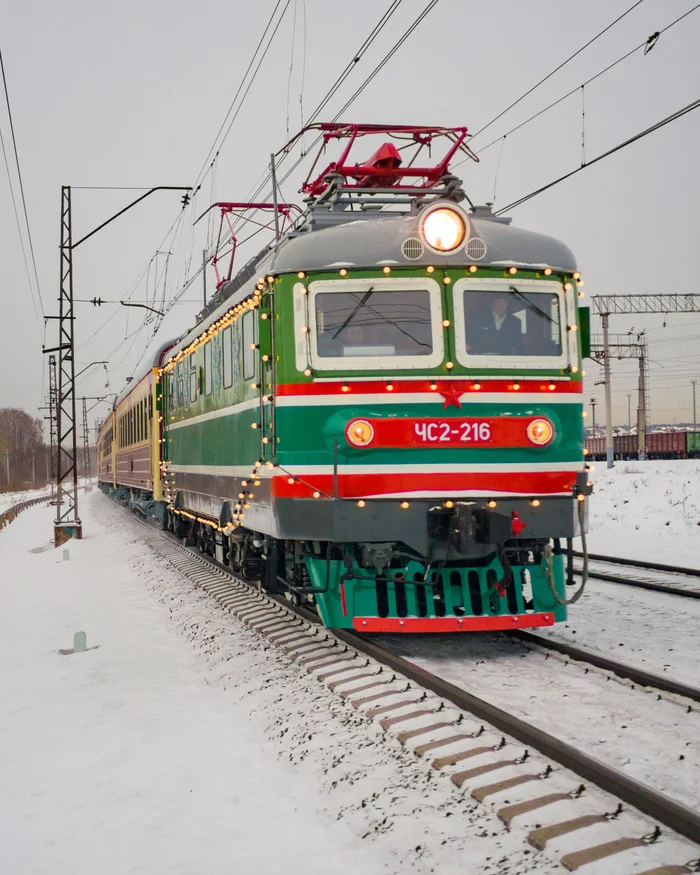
x=455, y=592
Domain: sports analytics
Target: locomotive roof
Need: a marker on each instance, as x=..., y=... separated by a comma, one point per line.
x=330, y=239
x=375, y=239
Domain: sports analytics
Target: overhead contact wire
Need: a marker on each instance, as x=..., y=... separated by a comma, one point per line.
x=650, y=130
x=642, y=45
x=557, y=68
x=368, y=79
x=24, y=200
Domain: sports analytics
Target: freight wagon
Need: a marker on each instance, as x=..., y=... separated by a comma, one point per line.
x=658, y=445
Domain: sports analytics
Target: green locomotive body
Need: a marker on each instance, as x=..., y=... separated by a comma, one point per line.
x=382, y=415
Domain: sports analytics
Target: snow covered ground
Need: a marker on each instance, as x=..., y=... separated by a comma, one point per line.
x=183, y=743
x=648, y=511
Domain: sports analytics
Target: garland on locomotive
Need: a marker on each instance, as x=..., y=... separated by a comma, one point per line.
x=386, y=418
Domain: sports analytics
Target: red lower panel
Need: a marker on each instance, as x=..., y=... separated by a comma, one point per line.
x=358, y=485
x=451, y=624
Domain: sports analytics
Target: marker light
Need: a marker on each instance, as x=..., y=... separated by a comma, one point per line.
x=360, y=433
x=540, y=432
x=444, y=229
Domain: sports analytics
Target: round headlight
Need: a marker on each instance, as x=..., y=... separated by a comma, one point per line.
x=360, y=433
x=444, y=229
x=540, y=431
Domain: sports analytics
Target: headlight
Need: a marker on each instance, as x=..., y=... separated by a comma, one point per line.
x=443, y=229
x=540, y=431
x=360, y=433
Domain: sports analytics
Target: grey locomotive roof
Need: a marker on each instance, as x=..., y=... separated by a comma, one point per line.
x=366, y=239
x=378, y=241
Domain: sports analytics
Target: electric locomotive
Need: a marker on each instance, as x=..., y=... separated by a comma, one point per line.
x=382, y=412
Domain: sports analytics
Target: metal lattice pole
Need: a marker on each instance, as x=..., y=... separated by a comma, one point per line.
x=609, y=452
x=86, y=444
x=642, y=408
x=67, y=524
x=53, y=430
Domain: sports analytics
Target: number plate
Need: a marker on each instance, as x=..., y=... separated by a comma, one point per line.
x=452, y=432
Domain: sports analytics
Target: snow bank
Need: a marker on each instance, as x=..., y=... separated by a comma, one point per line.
x=648, y=511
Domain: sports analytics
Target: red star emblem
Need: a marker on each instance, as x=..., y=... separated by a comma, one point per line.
x=451, y=395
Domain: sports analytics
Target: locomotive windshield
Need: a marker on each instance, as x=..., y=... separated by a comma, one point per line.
x=510, y=322
x=373, y=323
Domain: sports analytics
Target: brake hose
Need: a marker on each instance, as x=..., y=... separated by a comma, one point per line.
x=548, y=559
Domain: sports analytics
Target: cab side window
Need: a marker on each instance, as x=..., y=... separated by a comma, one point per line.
x=207, y=368
x=248, y=346
x=227, y=353
x=193, y=378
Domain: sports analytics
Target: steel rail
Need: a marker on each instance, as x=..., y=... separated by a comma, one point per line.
x=653, y=585
x=671, y=814
x=621, y=669
x=639, y=563
x=660, y=807
x=645, y=584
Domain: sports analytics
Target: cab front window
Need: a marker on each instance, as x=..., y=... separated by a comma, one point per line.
x=509, y=323
x=375, y=324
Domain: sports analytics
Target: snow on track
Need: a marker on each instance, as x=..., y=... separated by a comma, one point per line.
x=653, y=740
x=152, y=753
x=652, y=630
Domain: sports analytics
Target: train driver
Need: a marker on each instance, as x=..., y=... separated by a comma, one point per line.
x=495, y=331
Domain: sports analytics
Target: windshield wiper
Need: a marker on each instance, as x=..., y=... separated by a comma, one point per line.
x=530, y=305
x=359, y=306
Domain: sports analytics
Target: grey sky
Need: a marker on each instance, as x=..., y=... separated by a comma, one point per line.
x=133, y=93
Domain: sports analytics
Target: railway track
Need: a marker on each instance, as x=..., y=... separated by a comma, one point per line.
x=683, y=582
x=419, y=708
x=621, y=669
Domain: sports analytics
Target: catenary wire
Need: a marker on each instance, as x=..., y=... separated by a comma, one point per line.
x=21, y=236
x=655, y=127
x=266, y=175
x=557, y=68
x=357, y=55
x=21, y=182
x=199, y=179
x=24, y=203
x=568, y=94
x=357, y=93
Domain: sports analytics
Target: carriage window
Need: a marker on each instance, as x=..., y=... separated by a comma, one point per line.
x=207, y=368
x=368, y=323
x=248, y=346
x=227, y=348
x=193, y=378
x=511, y=323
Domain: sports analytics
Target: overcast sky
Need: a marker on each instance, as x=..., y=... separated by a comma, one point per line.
x=133, y=94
